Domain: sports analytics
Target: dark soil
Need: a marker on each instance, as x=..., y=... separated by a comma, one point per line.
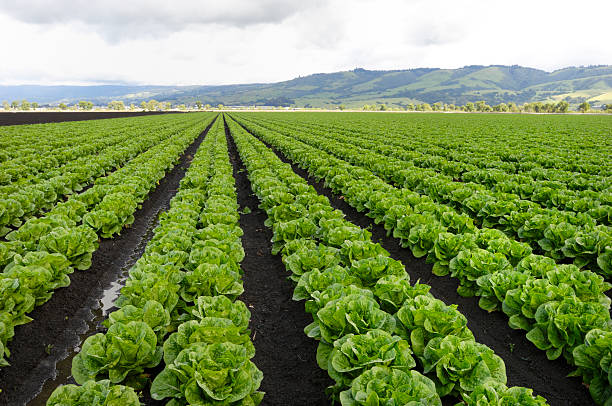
x=526, y=365
x=56, y=117
x=41, y=351
x=285, y=355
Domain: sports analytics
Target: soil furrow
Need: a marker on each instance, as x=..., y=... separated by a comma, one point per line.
x=41, y=351
x=18, y=118
x=285, y=355
x=526, y=365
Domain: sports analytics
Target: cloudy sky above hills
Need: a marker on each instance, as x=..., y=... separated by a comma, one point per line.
x=242, y=41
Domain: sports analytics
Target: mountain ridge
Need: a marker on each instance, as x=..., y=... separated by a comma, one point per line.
x=353, y=88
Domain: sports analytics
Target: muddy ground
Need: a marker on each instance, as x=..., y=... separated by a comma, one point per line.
x=285, y=355
x=37, y=117
x=75, y=312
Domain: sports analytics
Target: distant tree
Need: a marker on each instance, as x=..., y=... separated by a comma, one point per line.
x=539, y=107
x=220, y=106
x=207, y=106
x=513, y=107
x=34, y=105
x=561, y=107
x=584, y=107
x=382, y=107
x=14, y=104
x=116, y=105
x=366, y=107
x=482, y=106
x=608, y=108
x=425, y=107
x=152, y=105
x=167, y=106
x=198, y=104
x=85, y=105
x=469, y=106
x=132, y=106
x=410, y=107
x=501, y=107
x=341, y=107
x=6, y=105
x=181, y=107
x=62, y=106
x=438, y=106
x=143, y=105
x=25, y=105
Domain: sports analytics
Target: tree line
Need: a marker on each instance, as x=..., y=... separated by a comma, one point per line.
x=151, y=105
x=481, y=106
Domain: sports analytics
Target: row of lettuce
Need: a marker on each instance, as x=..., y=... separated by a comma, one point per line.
x=583, y=237
x=178, y=307
x=27, y=151
x=548, y=144
x=563, y=309
x=39, y=256
x=594, y=202
x=491, y=164
x=35, y=182
x=374, y=328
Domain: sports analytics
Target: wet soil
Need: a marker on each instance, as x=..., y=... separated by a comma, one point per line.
x=526, y=365
x=41, y=351
x=285, y=355
x=16, y=118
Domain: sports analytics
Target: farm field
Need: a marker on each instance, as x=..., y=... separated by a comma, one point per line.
x=305, y=258
x=17, y=118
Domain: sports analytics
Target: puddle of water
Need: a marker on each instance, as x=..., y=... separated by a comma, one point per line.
x=97, y=316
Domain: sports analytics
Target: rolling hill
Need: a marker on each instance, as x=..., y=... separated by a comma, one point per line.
x=494, y=84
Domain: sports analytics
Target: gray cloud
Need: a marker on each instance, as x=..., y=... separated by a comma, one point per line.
x=119, y=19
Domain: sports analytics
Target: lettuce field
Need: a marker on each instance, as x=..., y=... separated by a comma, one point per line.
x=296, y=258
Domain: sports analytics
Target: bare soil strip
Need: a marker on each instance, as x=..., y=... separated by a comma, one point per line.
x=57, y=117
x=41, y=351
x=526, y=365
x=285, y=355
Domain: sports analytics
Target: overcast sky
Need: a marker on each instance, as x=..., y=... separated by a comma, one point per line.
x=242, y=41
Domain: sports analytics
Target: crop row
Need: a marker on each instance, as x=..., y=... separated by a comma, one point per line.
x=179, y=304
x=563, y=309
x=29, y=196
x=558, y=234
x=29, y=151
x=561, y=144
x=39, y=255
x=374, y=328
x=551, y=189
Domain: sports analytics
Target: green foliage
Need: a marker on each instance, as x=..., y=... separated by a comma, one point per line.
x=461, y=365
x=204, y=373
x=122, y=354
x=494, y=393
x=101, y=393
x=352, y=354
x=382, y=385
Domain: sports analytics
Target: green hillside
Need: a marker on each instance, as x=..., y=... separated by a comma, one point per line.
x=494, y=84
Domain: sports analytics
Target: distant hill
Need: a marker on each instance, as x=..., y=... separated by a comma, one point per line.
x=494, y=84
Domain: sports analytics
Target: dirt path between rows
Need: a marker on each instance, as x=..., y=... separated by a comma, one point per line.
x=526, y=365
x=41, y=351
x=285, y=355
x=19, y=118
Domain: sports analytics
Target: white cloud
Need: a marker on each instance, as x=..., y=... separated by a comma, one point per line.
x=237, y=41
